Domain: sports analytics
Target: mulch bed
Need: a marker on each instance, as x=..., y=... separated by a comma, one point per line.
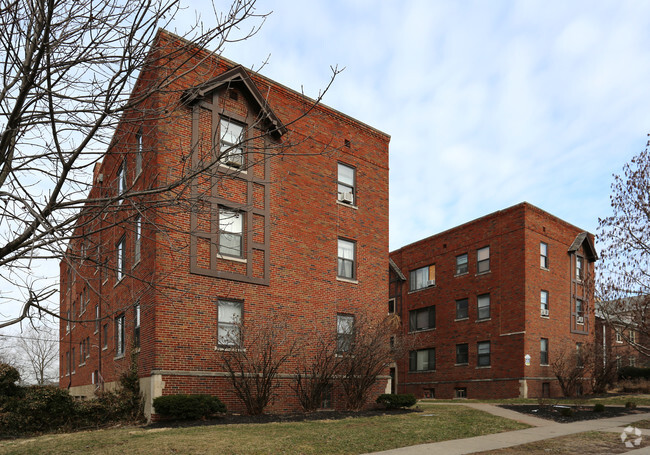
x=552, y=412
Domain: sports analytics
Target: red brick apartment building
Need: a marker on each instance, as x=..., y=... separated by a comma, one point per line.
x=292, y=222
x=489, y=304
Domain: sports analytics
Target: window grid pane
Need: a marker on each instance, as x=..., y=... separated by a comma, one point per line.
x=483, y=306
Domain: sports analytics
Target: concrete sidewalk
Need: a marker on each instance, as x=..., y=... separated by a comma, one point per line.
x=543, y=429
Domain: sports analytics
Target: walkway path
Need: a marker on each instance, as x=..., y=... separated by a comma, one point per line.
x=542, y=429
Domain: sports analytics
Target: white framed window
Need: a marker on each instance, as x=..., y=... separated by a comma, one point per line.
x=120, y=340
x=543, y=297
x=138, y=239
x=346, y=183
x=632, y=336
x=543, y=351
x=483, y=354
x=136, y=325
x=462, y=309
x=346, y=259
x=120, y=269
x=543, y=255
x=483, y=305
x=618, y=335
x=231, y=228
x=483, y=260
x=96, y=318
x=229, y=317
x=344, y=332
x=461, y=264
x=231, y=151
x=579, y=268
x=138, y=153
x=121, y=180
x=422, y=278
x=462, y=354
x=422, y=360
x=422, y=319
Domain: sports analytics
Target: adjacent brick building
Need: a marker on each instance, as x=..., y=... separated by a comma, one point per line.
x=293, y=222
x=488, y=305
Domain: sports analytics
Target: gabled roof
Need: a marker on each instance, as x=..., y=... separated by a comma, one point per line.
x=237, y=76
x=583, y=240
x=396, y=269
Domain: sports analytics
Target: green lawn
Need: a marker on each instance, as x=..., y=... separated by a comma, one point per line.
x=347, y=436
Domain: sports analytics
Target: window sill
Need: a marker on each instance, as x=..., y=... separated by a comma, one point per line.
x=347, y=280
x=461, y=274
x=232, y=258
x=461, y=364
x=483, y=320
x=422, y=371
x=224, y=349
x=234, y=169
x=461, y=319
x=430, y=329
x=352, y=206
x=545, y=317
x=135, y=265
x=483, y=273
x=544, y=365
x=421, y=289
x=118, y=357
x=484, y=368
x=545, y=268
x=119, y=281
x=104, y=348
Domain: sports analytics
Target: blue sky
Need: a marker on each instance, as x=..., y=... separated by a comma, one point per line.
x=488, y=103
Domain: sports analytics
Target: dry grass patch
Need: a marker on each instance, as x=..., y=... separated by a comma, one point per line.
x=346, y=436
x=592, y=442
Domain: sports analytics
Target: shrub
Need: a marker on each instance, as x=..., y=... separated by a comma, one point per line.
x=42, y=408
x=566, y=412
x=630, y=372
x=398, y=400
x=599, y=407
x=630, y=405
x=188, y=407
x=9, y=376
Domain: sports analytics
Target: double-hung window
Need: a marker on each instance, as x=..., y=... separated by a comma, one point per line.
x=579, y=268
x=461, y=264
x=423, y=277
x=483, y=354
x=231, y=228
x=138, y=153
x=136, y=326
x=422, y=319
x=483, y=306
x=344, y=332
x=422, y=360
x=346, y=259
x=462, y=354
x=120, y=341
x=483, y=260
x=121, y=259
x=462, y=309
x=543, y=296
x=138, y=239
x=231, y=151
x=121, y=180
x=543, y=255
x=346, y=183
x=228, y=323
x=543, y=351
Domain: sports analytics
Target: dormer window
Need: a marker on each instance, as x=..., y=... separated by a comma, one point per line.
x=231, y=151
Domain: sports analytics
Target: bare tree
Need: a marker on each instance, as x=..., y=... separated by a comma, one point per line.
x=572, y=364
x=623, y=286
x=253, y=355
x=38, y=353
x=371, y=347
x=315, y=371
x=69, y=68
